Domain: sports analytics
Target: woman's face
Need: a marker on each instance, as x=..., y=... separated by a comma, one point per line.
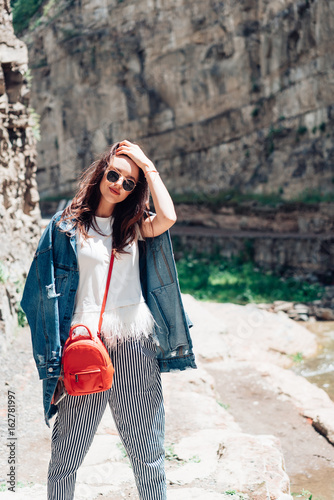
x=114, y=192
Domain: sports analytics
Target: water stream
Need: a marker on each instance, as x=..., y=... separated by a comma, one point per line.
x=319, y=369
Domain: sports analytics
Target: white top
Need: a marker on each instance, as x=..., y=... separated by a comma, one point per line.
x=126, y=313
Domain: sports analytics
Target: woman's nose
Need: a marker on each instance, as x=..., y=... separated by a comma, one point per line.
x=119, y=180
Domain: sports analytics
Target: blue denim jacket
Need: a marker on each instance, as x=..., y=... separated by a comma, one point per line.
x=49, y=299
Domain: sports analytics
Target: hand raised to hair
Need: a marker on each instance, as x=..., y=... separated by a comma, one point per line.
x=136, y=154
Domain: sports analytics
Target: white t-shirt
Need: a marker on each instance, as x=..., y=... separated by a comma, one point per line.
x=126, y=313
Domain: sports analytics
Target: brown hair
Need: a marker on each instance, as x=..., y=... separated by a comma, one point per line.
x=126, y=213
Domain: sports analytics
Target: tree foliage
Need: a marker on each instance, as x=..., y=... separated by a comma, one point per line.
x=23, y=11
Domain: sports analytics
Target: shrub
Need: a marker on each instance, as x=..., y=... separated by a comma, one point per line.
x=23, y=11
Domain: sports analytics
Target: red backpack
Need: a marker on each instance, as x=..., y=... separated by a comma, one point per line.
x=86, y=364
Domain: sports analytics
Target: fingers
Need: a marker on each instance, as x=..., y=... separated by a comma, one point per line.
x=123, y=148
x=127, y=143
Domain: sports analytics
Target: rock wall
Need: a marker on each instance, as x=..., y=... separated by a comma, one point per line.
x=222, y=95
x=19, y=209
x=292, y=239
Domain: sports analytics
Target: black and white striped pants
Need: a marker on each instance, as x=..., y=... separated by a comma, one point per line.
x=136, y=402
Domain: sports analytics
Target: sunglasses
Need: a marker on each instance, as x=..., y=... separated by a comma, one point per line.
x=113, y=176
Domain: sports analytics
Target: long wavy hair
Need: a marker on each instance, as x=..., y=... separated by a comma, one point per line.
x=126, y=214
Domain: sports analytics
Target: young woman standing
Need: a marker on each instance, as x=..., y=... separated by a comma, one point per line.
x=145, y=328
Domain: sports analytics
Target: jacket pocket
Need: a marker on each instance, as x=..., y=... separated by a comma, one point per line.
x=169, y=316
x=60, y=284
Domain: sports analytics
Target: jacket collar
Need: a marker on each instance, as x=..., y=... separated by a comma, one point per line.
x=69, y=227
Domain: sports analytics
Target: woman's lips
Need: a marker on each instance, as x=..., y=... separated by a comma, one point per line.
x=113, y=191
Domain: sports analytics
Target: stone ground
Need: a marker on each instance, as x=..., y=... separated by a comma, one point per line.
x=242, y=426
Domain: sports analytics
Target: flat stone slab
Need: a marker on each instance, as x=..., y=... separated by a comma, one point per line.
x=252, y=465
x=246, y=333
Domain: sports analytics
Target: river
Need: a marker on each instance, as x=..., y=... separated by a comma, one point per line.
x=320, y=369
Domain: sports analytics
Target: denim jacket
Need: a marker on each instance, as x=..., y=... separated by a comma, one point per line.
x=49, y=300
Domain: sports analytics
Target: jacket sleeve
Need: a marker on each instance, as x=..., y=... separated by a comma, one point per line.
x=40, y=304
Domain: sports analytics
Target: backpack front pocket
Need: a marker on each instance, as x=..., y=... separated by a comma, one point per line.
x=86, y=382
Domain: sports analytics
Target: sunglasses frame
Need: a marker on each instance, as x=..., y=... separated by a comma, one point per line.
x=120, y=176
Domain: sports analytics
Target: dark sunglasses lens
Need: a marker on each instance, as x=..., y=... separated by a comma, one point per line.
x=128, y=185
x=112, y=176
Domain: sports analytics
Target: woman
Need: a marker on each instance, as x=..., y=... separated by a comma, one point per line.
x=145, y=328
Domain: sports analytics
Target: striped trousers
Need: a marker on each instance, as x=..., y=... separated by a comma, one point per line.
x=136, y=403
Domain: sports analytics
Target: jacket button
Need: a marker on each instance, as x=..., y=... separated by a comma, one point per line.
x=50, y=369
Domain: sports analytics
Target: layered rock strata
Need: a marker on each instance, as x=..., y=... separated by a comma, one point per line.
x=222, y=95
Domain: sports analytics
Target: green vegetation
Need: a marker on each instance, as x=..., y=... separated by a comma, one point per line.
x=28, y=13
x=21, y=317
x=322, y=127
x=35, y=119
x=297, y=358
x=255, y=112
x=272, y=134
x=4, y=278
x=215, y=201
x=238, y=280
x=171, y=455
x=3, y=273
x=239, y=496
x=23, y=11
x=256, y=87
x=314, y=196
x=223, y=405
x=28, y=77
x=122, y=450
x=19, y=484
x=48, y=7
x=305, y=495
x=301, y=130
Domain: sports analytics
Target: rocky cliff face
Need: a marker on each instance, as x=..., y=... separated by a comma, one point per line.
x=19, y=210
x=222, y=95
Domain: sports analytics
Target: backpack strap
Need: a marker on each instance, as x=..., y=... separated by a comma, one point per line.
x=112, y=258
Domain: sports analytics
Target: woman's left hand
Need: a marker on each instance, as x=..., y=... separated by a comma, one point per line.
x=136, y=154
x=165, y=215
